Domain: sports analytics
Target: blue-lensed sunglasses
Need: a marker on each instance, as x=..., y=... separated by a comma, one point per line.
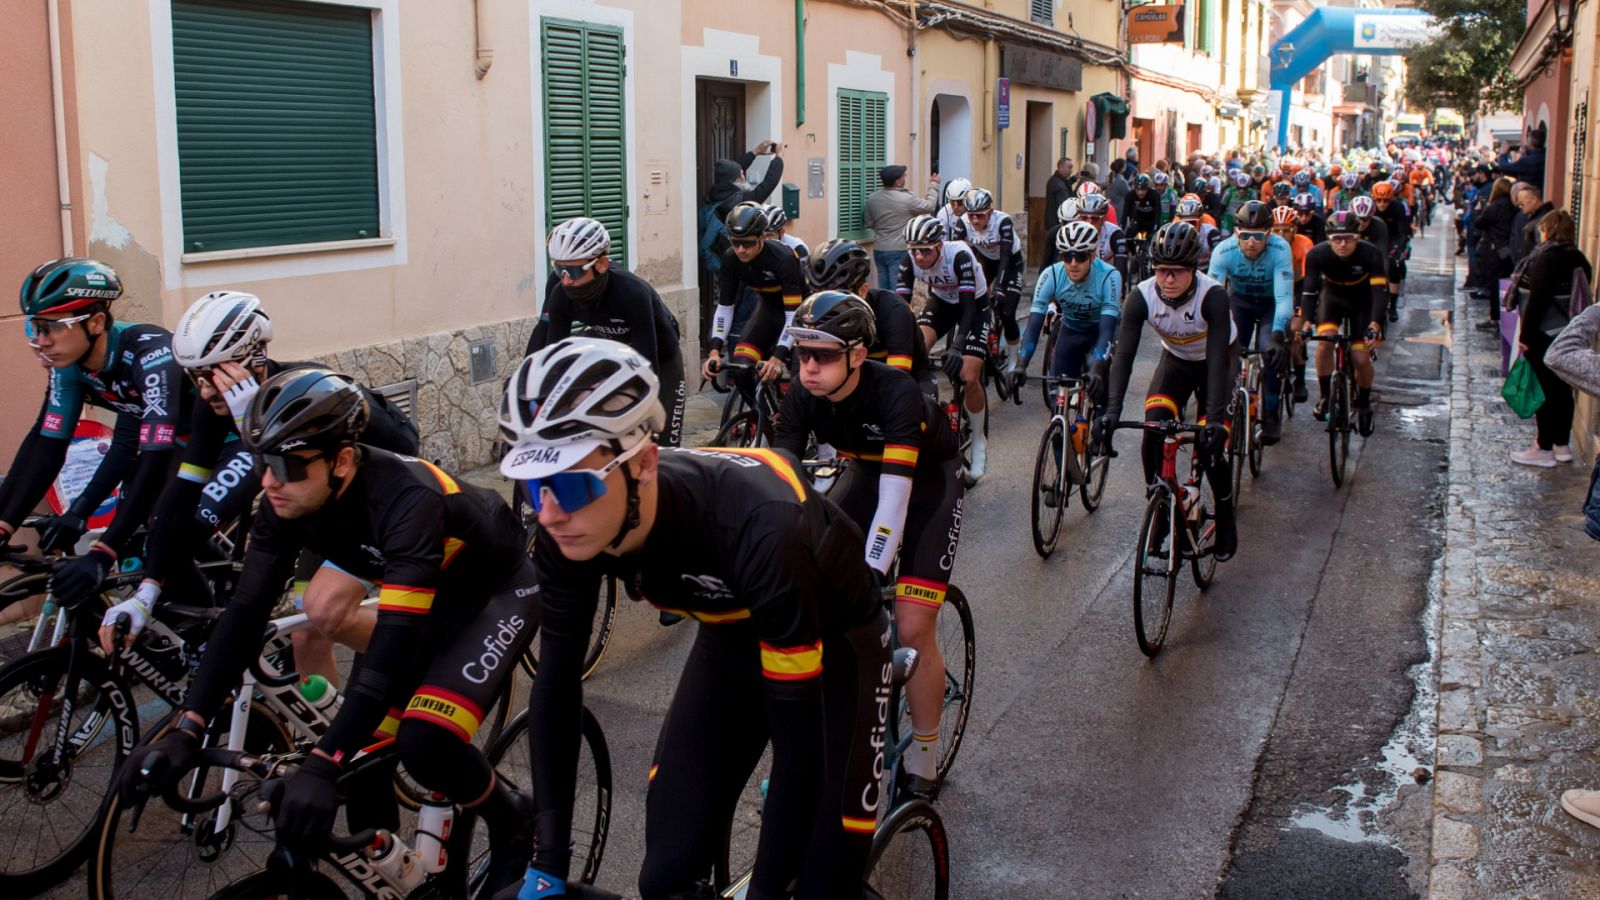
x=576, y=488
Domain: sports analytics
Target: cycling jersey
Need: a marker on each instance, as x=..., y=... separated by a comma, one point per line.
x=1314, y=228
x=1141, y=214
x=629, y=311
x=776, y=276
x=1169, y=205
x=1339, y=199
x=800, y=248
x=1376, y=233
x=949, y=219
x=1298, y=248
x=955, y=278
x=1089, y=308
x=998, y=241
x=1397, y=221
x=792, y=645
x=1270, y=275
x=1353, y=288
x=1113, y=246
x=899, y=341
x=1233, y=198
x=1210, y=237
x=1186, y=331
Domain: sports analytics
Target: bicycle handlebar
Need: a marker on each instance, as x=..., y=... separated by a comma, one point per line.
x=1165, y=426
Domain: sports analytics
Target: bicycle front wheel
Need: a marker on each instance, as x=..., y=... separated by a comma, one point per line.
x=1338, y=428
x=959, y=646
x=742, y=430
x=910, y=855
x=1258, y=403
x=1050, y=488
x=1203, y=535
x=1096, y=466
x=1239, y=440
x=1155, y=575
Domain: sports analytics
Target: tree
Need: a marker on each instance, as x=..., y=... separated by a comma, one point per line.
x=1467, y=67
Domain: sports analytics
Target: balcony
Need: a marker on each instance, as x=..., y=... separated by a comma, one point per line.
x=1361, y=94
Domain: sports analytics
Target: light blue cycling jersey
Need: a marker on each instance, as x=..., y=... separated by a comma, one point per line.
x=1269, y=275
x=1081, y=303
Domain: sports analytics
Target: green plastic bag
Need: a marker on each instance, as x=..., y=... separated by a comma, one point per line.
x=1522, y=391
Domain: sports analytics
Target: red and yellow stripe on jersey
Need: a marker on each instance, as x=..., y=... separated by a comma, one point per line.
x=900, y=459
x=447, y=709
x=1161, y=401
x=399, y=598
x=776, y=462
x=710, y=618
x=791, y=663
x=860, y=826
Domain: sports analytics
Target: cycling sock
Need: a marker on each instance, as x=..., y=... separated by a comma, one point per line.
x=1363, y=397
x=1324, y=383
x=922, y=759
x=1300, y=374
x=980, y=441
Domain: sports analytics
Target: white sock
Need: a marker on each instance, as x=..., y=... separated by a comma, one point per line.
x=922, y=757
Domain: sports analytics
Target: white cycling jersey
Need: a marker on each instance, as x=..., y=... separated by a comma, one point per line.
x=1181, y=328
x=957, y=263
x=991, y=240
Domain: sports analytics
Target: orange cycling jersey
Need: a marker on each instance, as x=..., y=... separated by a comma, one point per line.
x=1299, y=247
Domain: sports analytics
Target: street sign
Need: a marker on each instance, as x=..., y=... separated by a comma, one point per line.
x=1002, y=102
x=1089, y=122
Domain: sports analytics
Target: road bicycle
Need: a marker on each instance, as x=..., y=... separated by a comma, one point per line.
x=952, y=397
x=1244, y=432
x=1067, y=458
x=999, y=357
x=748, y=415
x=1179, y=525
x=1341, y=391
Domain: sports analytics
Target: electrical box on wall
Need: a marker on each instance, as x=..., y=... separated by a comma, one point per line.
x=814, y=170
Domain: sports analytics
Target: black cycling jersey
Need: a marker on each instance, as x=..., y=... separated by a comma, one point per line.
x=777, y=578
x=439, y=548
x=1397, y=222
x=899, y=342
x=778, y=278
x=1141, y=215
x=141, y=382
x=1315, y=228
x=1353, y=287
x=1375, y=232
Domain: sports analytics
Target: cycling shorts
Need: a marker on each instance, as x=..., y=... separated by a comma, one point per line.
x=1072, y=351
x=932, y=528
x=761, y=333
x=1174, y=382
x=1335, y=312
x=970, y=316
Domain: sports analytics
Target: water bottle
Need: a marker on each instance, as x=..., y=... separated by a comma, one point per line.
x=396, y=862
x=435, y=818
x=323, y=696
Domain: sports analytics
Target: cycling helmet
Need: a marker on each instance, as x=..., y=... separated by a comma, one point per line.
x=1077, y=236
x=924, y=230
x=1302, y=179
x=1160, y=178
x=1259, y=171
x=1350, y=181
x=1205, y=171
x=1215, y=184
x=1094, y=205
x=1085, y=188
x=777, y=219
x=575, y=396
x=579, y=238
x=747, y=220
x=1255, y=216
x=1283, y=217
x=1362, y=207
x=979, y=200
x=222, y=326
x=835, y=317
x=1383, y=190
x=840, y=264
x=1343, y=222
x=313, y=408
x=1141, y=182
x=957, y=189
x=1068, y=210
x=1335, y=170
x=1190, y=208
x=63, y=285
x=1282, y=190
x=1190, y=196
x=1175, y=244
x=1304, y=202
x=1241, y=178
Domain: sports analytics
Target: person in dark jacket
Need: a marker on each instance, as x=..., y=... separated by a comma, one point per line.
x=1544, y=294
x=1533, y=208
x=1493, y=258
x=729, y=189
x=1062, y=184
x=1529, y=166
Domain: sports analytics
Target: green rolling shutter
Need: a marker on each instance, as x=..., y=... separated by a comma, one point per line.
x=862, y=134
x=585, y=162
x=277, y=131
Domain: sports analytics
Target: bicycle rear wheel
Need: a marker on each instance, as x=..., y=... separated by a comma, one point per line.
x=1202, y=564
x=910, y=855
x=958, y=645
x=1338, y=428
x=1259, y=402
x=1050, y=488
x=1155, y=571
x=742, y=430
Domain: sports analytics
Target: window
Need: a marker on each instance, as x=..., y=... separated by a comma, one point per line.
x=1042, y=11
x=585, y=161
x=863, y=119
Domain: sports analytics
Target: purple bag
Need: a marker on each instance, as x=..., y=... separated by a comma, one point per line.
x=1508, y=338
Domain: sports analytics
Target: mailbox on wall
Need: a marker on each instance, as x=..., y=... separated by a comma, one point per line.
x=791, y=200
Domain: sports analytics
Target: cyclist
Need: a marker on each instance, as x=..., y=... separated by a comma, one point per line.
x=1257, y=268
x=457, y=608
x=1284, y=224
x=120, y=366
x=1240, y=193
x=1303, y=183
x=903, y=487
x=1396, y=217
x=587, y=293
x=1370, y=227
x=955, y=206
x=1141, y=209
x=1191, y=210
x=1191, y=315
x=1113, y=247
x=778, y=225
x=844, y=265
x=1086, y=293
x=1306, y=220
x=1349, y=188
x=793, y=643
x=1166, y=195
x=1346, y=286
x=221, y=343
x=773, y=271
x=993, y=236
x=958, y=299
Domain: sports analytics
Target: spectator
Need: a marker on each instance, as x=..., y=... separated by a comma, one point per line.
x=1117, y=183
x=1534, y=208
x=1554, y=349
x=1131, y=158
x=1090, y=172
x=1062, y=184
x=728, y=185
x=888, y=211
x=1493, y=258
x=1529, y=166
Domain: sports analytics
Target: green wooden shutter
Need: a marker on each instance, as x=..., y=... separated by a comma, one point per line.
x=585, y=163
x=862, y=134
x=277, y=131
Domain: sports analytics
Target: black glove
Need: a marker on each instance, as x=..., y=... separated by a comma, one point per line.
x=1103, y=428
x=952, y=364
x=60, y=533
x=1272, y=355
x=79, y=578
x=1212, y=443
x=150, y=770
x=1096, y=383
x=305, y=813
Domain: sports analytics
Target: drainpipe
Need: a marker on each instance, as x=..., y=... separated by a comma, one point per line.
x=58, y=102
x=916, y=96
x=799, y=62
x=991, y=66
x=485, y=52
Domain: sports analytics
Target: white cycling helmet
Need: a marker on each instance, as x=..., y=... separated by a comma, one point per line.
x=956, y=189
x=1077, y=236
x=1362, y=206
x=573, y=397
x=222, y=326
x=579, y=238
x=1068, y=210
x=1085, y=188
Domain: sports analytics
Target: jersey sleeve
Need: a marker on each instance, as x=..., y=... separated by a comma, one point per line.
x=1044, y=290
x=63, y=404
x=1217, y=310
x=773, y=568
x=164, y=385
x=793, y=423
x=903, y=424
x=1282, y=285
x=897, y=331
x=966, y=273
x=1134, y=314
x=1311, y=284
x=793, y=283
x=1111, y=295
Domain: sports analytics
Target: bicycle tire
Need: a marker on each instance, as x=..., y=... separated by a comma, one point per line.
x=1238, y=441
x=1045, y=387
x=1154, y=558
x=1202, y=563
x=958, y=645
x=1097, y=467
x=1048, y=474
x=1338, y=428
x=1254, y=447
x=508, y=756
x=61, y=814
x=910, y=854
x=741, y=430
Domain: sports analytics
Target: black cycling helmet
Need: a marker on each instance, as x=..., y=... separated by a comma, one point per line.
x=748, y=220
x=313, y=408
x=1141, y=181
x=1175, y=244
x=64, y=285
x=839, y=265
x=1255, y=216
x=837, y=316
x=1343, y=222
x=1282, y=190
x=1258, y=170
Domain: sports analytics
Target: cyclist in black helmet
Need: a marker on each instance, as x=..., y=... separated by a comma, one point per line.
x=844, y=265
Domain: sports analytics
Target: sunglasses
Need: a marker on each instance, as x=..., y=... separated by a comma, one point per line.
x=50, y=327
x=822, y=356
x=202, y=376
x=284, y=467
x=1250, y=236
x=575, y=488
x=1077, y=256
x=924, y=251
x=573, y=273
x=1169, y=273
x=1341, y=238
x=745, y=243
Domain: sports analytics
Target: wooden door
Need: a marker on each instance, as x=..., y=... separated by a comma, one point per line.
x=719, y=134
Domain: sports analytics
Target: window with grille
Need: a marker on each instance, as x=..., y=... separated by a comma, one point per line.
x=862, y=135
x=1042, y=11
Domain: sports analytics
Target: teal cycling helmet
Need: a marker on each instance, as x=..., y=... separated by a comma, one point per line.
x=64, y=285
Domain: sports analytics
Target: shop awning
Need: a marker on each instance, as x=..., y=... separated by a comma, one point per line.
x=1111, y=113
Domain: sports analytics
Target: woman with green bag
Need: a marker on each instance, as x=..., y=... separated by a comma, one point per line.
x=1544, y=298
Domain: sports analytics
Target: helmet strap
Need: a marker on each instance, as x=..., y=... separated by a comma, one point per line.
x=849, y=372
x=630, y=519
x=94, y=339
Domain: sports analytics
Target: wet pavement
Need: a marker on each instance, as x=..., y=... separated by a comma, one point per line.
x=1518, y=714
